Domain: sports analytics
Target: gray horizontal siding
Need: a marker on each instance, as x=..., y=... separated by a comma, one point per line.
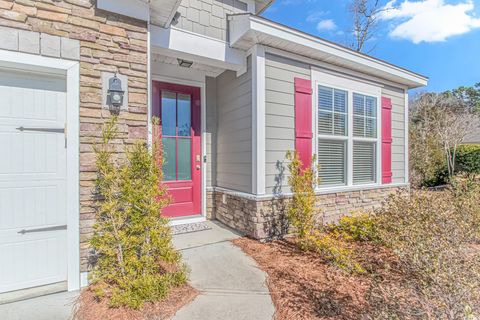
x=208, y=17
x=211, y=131
x=398, y=132
x=234, y=131
x=280, y=117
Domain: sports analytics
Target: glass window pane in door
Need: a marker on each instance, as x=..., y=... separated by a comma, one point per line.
x=184, y=115
x=169, y=159
x=184, y=159
x=169, y=113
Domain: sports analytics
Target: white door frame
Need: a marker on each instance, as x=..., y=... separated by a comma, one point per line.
x=203, y=116
x=70, y=69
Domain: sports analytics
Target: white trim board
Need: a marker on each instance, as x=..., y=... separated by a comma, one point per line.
x=258, y=120
x=70, y=69
x=331, y=190
x=407, y=146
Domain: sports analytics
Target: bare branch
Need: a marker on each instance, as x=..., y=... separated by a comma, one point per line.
x=365, y=16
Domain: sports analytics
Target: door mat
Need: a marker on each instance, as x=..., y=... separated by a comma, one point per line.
x=190, y=227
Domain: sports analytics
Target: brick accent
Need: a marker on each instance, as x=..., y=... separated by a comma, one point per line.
x=101, y=41
x=265, y=219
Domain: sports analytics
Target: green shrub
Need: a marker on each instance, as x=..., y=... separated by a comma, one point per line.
x=359, y=227
x=468, y=158
x=136, y=261
x=301, y=209
x=301, y=215
x=332, y=249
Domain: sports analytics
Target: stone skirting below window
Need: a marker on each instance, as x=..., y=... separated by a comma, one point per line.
x=265, y=219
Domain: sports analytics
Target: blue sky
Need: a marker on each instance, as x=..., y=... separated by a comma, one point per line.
x=436, y=38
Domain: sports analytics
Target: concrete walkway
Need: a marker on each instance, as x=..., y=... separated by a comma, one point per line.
x=231, y=285
x=56, y=306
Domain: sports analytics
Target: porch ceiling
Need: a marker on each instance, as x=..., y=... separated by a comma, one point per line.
x=208, y=69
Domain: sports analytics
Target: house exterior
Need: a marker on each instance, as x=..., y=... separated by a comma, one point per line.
x=233, y=91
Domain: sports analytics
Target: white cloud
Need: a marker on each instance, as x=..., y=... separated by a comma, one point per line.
x=316, y=16
x=430, y=20
x=327, y=24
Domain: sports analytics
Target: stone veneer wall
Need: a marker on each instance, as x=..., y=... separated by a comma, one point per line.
x=102, y=42
x=264, y=219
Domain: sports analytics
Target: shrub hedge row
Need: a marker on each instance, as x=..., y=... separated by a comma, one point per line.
x=468, y=158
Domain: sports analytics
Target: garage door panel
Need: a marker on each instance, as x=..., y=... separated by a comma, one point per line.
x=16, y=270
x=32, y=206
x=31, y=153
x=33, y=199
x=20, y=104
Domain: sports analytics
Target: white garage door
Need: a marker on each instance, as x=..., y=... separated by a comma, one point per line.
x=33, y=217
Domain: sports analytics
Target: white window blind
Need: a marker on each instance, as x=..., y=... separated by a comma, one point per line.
x=332, y=111
x=332, y=161
x=364, y=162
x=364, y=116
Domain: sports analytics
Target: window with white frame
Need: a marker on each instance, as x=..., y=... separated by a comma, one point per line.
x=347, y=136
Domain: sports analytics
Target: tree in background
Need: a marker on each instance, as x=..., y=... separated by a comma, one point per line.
x=469, y=95
x=427, y=163
x=452, y=124
x=439, y=123
x=365, y=16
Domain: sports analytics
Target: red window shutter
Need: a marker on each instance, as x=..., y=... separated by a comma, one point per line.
x=303, y=120
x=386, y=140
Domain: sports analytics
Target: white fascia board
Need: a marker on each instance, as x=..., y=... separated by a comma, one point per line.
x=137, y=9
x=184, y=44
x=246, y=24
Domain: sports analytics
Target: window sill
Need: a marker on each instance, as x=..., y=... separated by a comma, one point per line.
x=362, y=187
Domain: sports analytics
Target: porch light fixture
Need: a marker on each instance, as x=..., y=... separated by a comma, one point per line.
x=184, y=63
x=115, y=93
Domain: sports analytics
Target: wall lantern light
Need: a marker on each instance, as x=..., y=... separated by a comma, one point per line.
x=184, y=63
x=115, y=94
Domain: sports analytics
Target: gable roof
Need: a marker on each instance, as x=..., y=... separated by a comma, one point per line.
x=246, y=30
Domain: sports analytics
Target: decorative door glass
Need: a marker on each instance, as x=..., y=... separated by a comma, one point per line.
x=176, y=136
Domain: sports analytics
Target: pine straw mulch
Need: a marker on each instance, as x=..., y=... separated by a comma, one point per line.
x=303, y=286
x=88, y=307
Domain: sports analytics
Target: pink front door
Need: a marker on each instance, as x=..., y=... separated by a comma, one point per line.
x=178, y=109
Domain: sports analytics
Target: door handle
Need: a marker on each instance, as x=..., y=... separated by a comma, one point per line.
x=53, y=228
x=197, y=167
x=54, y=130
